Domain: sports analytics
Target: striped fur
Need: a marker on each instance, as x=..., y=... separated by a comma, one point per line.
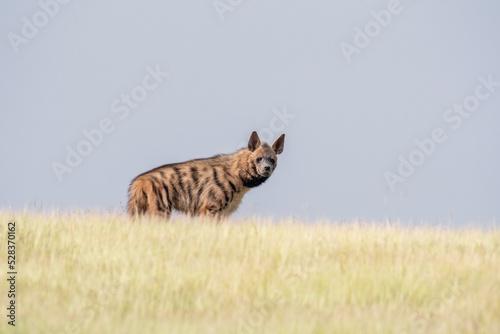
x=212, y=187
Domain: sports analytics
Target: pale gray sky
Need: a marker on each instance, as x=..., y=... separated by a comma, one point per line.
x=391, y=108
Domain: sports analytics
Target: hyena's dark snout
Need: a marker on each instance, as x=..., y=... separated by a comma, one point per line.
x=265, y=169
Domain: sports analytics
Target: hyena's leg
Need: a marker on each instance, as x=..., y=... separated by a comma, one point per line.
x=158, y=199
x=210, y=210
x=213, y=202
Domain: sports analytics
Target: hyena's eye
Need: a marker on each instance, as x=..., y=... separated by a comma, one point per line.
x=272, y=161
x=259, y=159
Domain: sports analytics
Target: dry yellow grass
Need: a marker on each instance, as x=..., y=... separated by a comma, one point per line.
x=108, y=274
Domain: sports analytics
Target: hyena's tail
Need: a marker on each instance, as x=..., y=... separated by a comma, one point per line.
x=138, y=200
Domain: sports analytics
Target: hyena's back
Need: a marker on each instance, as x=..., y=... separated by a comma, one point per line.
x=204, y=186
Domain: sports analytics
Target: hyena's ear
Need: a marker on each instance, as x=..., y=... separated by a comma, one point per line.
x=253, y=142
x=279, y=144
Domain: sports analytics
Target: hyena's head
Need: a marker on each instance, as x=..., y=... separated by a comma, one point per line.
x=264, y=157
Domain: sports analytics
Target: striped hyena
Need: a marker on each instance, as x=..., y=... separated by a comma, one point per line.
x=212, y=187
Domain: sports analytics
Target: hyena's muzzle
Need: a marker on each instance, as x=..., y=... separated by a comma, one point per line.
x=265, y=166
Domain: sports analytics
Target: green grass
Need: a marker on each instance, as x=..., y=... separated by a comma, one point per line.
x=109, y=274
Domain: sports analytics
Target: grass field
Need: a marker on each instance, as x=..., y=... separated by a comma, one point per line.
x=108, y=274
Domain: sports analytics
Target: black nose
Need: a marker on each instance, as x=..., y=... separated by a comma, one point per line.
x=267, y=168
